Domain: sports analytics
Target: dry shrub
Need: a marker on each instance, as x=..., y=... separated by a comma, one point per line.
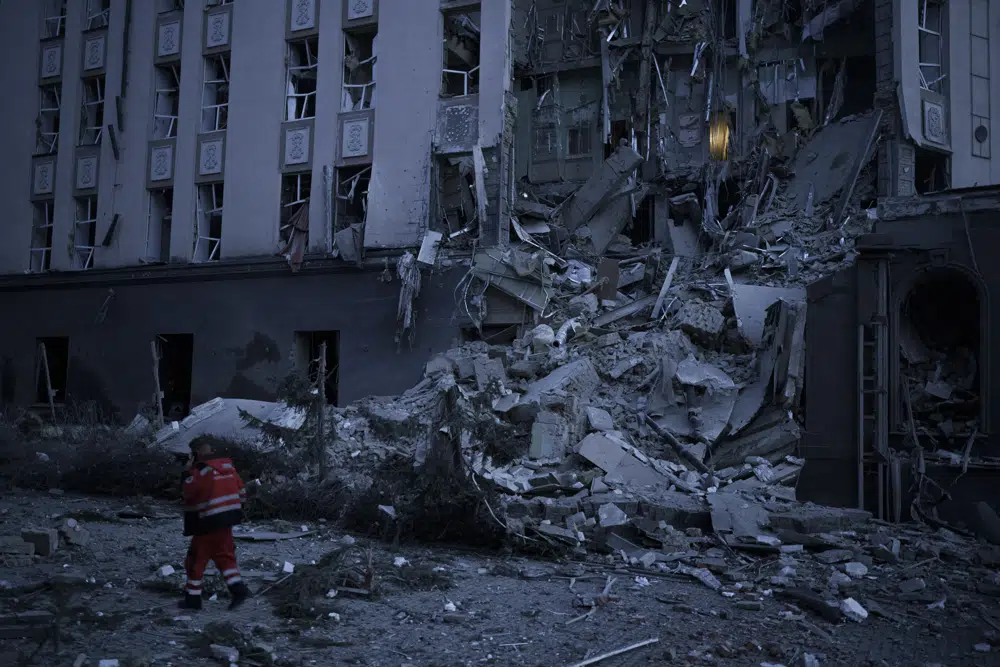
x=435, y=504
x=302, y=499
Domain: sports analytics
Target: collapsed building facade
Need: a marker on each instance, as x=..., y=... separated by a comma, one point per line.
x=647, y=187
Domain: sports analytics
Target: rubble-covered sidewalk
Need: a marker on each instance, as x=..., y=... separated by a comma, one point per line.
x=108, y=576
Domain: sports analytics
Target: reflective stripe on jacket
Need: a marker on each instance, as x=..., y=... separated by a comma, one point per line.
x=213, y=497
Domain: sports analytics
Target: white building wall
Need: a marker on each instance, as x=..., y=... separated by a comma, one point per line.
x=408, y=85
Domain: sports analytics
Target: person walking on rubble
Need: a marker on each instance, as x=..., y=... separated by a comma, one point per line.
x=213, y=503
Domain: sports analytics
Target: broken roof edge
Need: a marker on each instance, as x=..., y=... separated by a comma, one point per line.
x=945, y=202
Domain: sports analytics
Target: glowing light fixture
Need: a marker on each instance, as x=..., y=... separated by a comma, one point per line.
x=718, y=136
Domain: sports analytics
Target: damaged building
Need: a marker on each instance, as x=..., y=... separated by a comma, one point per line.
x=198, y=191
x=736, y=228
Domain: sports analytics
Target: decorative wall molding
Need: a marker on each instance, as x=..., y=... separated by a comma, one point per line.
x=43, y=177
x=168, y=38
x=51, y=61
x=94, y=52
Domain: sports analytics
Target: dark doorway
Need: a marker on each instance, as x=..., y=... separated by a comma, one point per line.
x=641, y=230
x=620, y=129
x=308, y=346
x=175, y=368
x=52, y=366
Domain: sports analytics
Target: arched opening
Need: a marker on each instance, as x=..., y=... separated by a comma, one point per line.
x=940, y=351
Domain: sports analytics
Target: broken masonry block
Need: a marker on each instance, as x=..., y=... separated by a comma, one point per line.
x=599, y=420
x=603, y=184
x=438, y=366
x=489, y=371
x=548, y=436
x=584, y=304
x=45, y=540
x=611, y=515
x=16, y=546
x=702, y=322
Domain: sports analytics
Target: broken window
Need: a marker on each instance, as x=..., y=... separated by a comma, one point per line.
x=579, y=141
x=931, y=171
x=352, y=196
x=51, y=369
x=47, y=124
x=457, y=187
x=54, y=18
x=581, y=36
x=85, y=232
x=98, y=13
x=359, y=71
x=164, y=6
x=92, y=111
x=295, y=190
x=208, y=231
x=165, y=106
x=931, y=45
x=40, y=258
x=159, y=220
x=461, y=54
x=940, y=357
x=215, y=93
x=300, y=79
x=308, y=352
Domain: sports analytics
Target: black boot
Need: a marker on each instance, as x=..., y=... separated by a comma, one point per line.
x=239, y=593
x=191, y=602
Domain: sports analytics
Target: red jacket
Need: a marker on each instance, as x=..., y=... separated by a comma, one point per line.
x=213, y=497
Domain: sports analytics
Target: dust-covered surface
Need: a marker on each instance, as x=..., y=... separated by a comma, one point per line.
x=446, y=607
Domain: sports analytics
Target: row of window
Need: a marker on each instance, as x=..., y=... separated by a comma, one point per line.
x=460, y=77
x=174, y=364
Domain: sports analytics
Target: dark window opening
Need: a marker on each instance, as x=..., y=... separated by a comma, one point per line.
x=460, y=74
x=457, y=188
x=940, y=352
x=641, y=230
x=727, y=22
x=52, y=366
x=859, y=85
x=494, y=335
x=295, y=191
x=730, y=195
x=932, y=172
x=352, y=196
x=175, y=369
x=620, y=129
x=308, y=347
x=360, y=57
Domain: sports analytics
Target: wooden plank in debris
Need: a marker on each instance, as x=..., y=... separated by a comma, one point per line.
x=665, y=287
x=269, y=536
x=624, y=311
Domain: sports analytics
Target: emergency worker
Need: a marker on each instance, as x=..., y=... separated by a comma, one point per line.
x=213, y=503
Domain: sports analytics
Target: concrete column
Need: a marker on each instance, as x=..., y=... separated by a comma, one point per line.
x=494, y=69
x=69, y=135
x=112, y=178
x=325, y=131
x=188, y=126
x=409, y=83
x=256, y=111
x=20, y=51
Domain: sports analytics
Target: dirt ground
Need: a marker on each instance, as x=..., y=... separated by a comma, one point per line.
x=443, y=607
